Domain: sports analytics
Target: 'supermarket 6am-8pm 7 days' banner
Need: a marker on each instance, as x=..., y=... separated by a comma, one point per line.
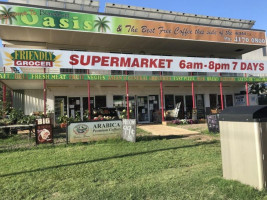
x=22, y=16
x=31, y=58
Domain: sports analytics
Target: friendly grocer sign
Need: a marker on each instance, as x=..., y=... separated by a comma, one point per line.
x=31, y=58
x=22, y=16
x=36, y=58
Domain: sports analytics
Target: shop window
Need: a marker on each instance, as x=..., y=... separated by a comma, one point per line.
x=264, y=51
x=100, y=101
x=155, y=73
x=85, y=103
x=60, y=106
x=229, y=74
x=116, y=72
x=213, y=101
x=198, y=73
x=219, y=101
x=118, y=101
x=189, y=106
x=229, y=100
x=200, y=106
x=167, y=73
x=73, y=71
x=169, y=102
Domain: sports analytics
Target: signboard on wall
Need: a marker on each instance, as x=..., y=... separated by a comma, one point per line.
x=241, y=100
x=11, y=57
x=88, y=131
x=16, y=76
x=43, y=131
x=47, y=18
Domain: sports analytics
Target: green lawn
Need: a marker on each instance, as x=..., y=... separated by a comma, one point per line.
x=152, y=168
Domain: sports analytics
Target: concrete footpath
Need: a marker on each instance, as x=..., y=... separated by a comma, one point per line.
x=159, y=129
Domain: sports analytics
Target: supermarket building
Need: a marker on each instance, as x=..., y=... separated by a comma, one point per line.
x=58, y=54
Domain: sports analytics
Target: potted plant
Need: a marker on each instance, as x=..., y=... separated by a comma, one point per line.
x=63, y=120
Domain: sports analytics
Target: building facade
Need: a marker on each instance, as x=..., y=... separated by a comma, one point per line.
x=147, y=36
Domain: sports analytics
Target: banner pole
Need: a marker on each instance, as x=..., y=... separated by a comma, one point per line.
x=44, y=81
x=89, y=96
x=221, y=92
x=193, y=93
x=247, y=95
x=4, y=95
x=161, y=99
x=127, y=98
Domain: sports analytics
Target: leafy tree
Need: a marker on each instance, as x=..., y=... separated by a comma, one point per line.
x=257, y=88
x=101, y=24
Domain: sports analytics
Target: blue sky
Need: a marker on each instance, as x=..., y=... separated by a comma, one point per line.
x=239, y=9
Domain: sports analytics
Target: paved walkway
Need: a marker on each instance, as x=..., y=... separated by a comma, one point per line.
x=158, y=129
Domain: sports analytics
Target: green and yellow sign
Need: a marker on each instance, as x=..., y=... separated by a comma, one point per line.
x=31, y=58
x=23, y=16
x=15, y=76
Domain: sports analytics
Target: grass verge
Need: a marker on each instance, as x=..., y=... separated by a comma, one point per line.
x=152, y=168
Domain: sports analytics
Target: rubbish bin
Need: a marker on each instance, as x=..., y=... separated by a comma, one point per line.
x=243, y=132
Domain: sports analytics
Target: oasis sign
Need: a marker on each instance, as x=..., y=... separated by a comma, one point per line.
x=22, y=16
x=10, y=57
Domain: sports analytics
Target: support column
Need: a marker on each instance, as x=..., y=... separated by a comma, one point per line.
x=221, y=92
x=11, y=97
x=127, y=98
x=4, y=96
x=44, y=81
x=161, y=99
x=193, y=93
x=89, y=96
x=247, y=95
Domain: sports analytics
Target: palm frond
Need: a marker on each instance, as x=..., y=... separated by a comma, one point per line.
x=4, y=8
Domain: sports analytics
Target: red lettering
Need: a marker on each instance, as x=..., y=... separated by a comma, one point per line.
x=235, y=64
x=161, y=63
x=114, y=61
x=104, y=61
x=169, y=61
x=87, y=60
x=153, y=63
x=249, y=66
x=135, y=63
x=144, y=62
x=95, y=59
x=261, y=66
x=243, y=66
x=255, y=65
x=125, y=63
x=74, y=59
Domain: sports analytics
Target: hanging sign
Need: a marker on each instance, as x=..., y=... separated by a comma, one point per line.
x=16, y=76
x=10, y=57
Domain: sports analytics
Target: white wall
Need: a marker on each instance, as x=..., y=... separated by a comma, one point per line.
x=33, y=101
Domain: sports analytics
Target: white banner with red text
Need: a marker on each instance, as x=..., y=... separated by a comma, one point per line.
x=40, y=58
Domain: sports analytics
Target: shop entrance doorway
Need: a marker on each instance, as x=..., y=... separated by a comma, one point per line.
x=142, y=109
x=74, y=106
x=153, y=101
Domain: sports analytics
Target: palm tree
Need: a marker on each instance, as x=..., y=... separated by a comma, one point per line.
x=7, y=15
x=102, y=24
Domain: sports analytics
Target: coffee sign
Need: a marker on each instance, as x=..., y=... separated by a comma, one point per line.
x=88, y=131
